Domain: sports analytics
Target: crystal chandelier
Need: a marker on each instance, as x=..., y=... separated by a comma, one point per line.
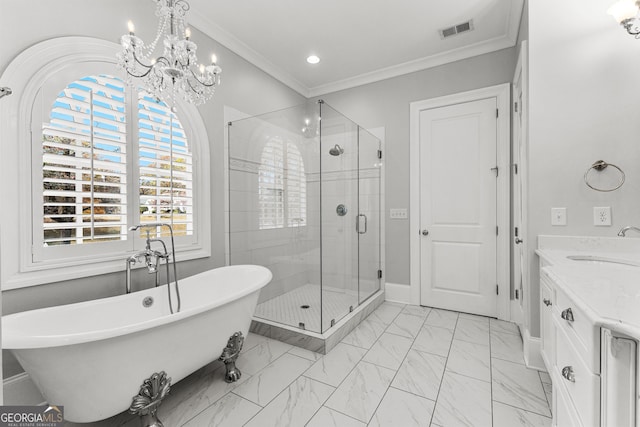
x=176, y=71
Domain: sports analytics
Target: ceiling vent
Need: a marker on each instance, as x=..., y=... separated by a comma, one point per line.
x=456, y=29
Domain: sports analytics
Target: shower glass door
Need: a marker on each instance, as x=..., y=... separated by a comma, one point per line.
x=339, y=207
x=369, y=215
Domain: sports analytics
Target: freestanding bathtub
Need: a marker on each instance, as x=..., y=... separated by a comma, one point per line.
x=92, y=357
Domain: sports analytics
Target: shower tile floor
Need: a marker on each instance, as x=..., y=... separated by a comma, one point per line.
x=402, y=366
x=287, y=308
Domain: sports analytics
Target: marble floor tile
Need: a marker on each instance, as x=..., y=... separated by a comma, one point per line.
x=252, y=340
x=230, y=411
x=406, y=325
x=420, y=374
x=470, y=359
x=387, y=312
x=507, y=347
x=442, y=318
x=194, y=394
x=504, y=327
x=388, y=351
x=366, y=333
x=294, y=406
x=253, y=360
x=477, y=318
x=275, y=377
x=508, y=416
x=433, y=339
x=361, y=392
x=472, y=331
x=305, y=354
x=399, y=408
x=332, y=368
x=326, y=417
x=518, y=386
x=417, y=310
x=463, y=401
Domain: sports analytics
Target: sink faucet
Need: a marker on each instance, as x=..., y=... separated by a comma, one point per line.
x=623, y=230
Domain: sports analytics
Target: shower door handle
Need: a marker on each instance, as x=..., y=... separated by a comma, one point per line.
x=358, y=223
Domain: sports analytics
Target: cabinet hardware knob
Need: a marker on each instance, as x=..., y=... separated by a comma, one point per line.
x=518, y=240
x=567, y=374
x=547, y=302
x=425, y=232
x=567, y=315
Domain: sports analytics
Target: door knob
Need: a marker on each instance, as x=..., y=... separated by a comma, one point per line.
x=425, y=232
x=518, y=240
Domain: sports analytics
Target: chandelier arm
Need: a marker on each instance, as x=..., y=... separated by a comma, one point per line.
x=200, y=81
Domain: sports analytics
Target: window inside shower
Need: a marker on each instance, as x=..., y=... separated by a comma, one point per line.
x=304, y=201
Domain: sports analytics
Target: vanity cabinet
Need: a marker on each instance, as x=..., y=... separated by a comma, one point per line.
x=593, y=370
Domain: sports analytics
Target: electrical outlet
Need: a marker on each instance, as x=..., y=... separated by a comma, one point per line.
x=398, y=213
x=558, y=216
x=602, y=216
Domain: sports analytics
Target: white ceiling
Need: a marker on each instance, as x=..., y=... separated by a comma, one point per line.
x=358, y=41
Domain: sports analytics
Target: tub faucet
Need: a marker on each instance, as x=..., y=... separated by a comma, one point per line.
x=152, y=258
x=623, y=230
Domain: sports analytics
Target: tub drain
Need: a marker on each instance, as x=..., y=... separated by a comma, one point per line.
x=305, y=306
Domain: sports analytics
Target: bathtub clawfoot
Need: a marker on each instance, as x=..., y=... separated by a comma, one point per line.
x=230, y=355
x=146, y=402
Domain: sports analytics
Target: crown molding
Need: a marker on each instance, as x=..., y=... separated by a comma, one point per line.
x=228, y=40
x=232, y=43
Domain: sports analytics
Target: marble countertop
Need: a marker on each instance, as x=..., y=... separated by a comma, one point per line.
x=608, y=293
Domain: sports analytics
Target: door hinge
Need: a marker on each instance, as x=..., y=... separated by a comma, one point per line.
x=497, y=289
x=379, y=274
x=517, y=294
x=515, y=168
x=497, y=113
x=515, y=232
x=379, y=154
x=497, y=230
x=496, y=169
x=515, y=107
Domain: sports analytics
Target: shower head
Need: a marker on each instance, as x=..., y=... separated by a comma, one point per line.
x=336, y=150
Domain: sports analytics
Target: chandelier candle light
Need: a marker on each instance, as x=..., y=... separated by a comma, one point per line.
x=625, y=12
x=177, y=70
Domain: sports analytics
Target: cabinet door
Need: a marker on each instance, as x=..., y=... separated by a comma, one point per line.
x=547, y=329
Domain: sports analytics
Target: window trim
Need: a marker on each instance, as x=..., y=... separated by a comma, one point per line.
x=25, y=75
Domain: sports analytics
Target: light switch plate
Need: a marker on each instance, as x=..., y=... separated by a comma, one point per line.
x=397, y=213
x=602, y=216
x=558, y=216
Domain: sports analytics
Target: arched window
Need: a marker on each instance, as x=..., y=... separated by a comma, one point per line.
x=282, y=186
x=85, y=156
x=91, y=156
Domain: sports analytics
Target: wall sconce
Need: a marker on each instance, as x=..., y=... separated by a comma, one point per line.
x=625, y=12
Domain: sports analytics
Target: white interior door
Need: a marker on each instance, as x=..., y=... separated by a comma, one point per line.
x=458, y=190
x=518, y=196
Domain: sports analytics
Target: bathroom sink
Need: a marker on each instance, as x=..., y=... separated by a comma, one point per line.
x=602, y=260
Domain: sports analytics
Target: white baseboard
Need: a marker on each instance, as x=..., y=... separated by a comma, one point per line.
x=20, y=390
x=532, y=355
x=395, y=292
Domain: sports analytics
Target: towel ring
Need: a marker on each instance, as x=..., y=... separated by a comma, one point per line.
x=599, y=166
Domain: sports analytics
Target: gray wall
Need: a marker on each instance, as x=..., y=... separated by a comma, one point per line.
x=386, y=103
x=244, y=87
x=583, y=107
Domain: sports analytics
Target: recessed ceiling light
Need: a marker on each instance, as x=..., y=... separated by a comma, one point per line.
x=313, y=59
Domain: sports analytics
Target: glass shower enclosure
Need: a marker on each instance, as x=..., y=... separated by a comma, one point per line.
x=304, y=201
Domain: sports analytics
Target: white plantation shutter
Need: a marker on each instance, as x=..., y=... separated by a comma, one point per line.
x=166, y=167
x=282, y=196
x=84, y=164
